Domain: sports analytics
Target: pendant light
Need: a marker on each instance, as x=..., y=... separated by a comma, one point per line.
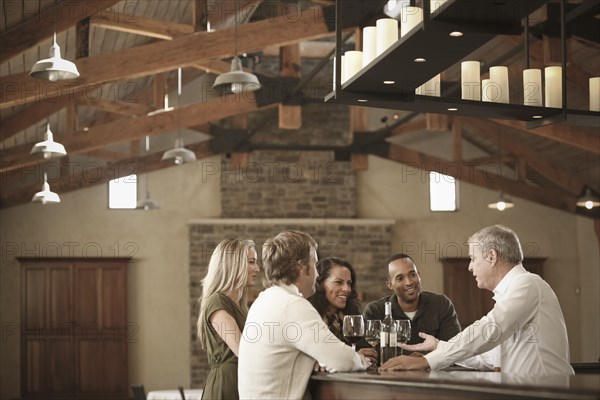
x=45, y=196
x=48, y=147
x=502, y=203
x=237, y=80
x=179, y=153
x=147, y=203
x=588, y=200
x=54, y=68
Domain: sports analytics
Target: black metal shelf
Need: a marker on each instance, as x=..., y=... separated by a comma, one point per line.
x=479, y=21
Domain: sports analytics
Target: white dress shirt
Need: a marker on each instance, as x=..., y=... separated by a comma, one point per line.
x=525, y=330
x=282, y=338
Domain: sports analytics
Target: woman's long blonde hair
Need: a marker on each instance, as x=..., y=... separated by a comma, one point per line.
x=227, y=273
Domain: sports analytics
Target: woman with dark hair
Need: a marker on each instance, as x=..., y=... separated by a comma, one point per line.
x=335, y=296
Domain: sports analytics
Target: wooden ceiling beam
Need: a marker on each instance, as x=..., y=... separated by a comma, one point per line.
x=54, y=17
x=119, y=107
x=164, y=56
x=409, y=127
x=472, y=175
x=577, y=137
x=555, y=174
x=127, y=129
x=140, y=26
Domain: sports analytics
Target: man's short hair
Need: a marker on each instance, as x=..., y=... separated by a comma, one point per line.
x=280, y=256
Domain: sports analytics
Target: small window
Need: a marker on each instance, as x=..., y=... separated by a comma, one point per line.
x=122, y=192
x=442, y=192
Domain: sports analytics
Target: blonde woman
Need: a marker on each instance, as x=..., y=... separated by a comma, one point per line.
x=223, y=309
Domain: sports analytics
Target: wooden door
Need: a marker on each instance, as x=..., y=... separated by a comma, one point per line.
x=470, y=302
x=73, y=333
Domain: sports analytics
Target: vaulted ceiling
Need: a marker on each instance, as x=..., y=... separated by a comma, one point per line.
x=128, y=52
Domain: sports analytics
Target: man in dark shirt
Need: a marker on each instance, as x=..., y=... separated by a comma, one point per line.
x=429, y=312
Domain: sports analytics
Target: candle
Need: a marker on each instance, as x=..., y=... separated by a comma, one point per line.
x=435, y=4
x=499, y=80
x=430, y=88
x=410, y=17
x=595, y=93
x=553, y=93
x=487, y=90
x=387, y=33
x=352, y=63
x=532, y=87
x=470, y=80
x=369, y=44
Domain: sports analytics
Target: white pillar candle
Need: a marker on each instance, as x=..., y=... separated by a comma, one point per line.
x=595, y=93
x=499, y=79
x=369, y=44
x=387, y=33
x=409, y=18
x=435, y=4
x=488, y=91
x=470, y=80
x=353, y=61
x=430, y=88
x=532, y=87
x=553, y=91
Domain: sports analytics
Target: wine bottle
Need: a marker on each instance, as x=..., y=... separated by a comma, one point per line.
x=388, y=335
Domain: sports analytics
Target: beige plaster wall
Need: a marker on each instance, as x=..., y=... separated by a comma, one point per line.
x=589, y=269
x=402, y=194
x=157, y=278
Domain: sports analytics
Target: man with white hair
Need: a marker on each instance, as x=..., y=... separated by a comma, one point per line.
x=525, y=332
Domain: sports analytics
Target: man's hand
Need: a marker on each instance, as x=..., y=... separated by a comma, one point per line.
x=429, y=344
x=404, y=363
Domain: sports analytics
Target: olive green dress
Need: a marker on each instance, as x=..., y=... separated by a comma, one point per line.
x=221, y=382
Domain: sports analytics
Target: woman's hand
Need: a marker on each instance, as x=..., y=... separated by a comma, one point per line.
x=370, y=353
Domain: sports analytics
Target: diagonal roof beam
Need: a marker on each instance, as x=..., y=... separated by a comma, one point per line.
x=577, y=137
x=126, y=129
x=140, y=26
x=165, y=56
x=470, y=174
x=554, y=173
x=40, y=27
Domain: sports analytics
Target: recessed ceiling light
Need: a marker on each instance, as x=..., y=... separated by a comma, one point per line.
x=453, y=109
x=389, y=82
x=362, y=100
x=456, y=34
x=420, y=59
x=538, y=117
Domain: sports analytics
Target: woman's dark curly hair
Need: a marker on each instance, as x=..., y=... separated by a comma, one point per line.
x=319, y=301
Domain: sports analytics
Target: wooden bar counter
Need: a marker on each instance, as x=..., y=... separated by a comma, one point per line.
x=452, y=384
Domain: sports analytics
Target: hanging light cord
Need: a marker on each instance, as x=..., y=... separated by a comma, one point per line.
x=179, y=102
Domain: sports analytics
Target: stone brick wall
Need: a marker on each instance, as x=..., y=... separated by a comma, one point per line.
x=288, y=184
x=364, y=243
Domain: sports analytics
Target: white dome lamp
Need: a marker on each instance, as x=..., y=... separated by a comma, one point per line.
x=238, y=79
x=502, y=203
x=54, y=68
x=45, y=196
x=179, y=153
x=48, y=147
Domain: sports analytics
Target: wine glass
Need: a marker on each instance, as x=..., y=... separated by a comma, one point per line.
x=402, y=331
x=353, y=329
x=372, y=331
